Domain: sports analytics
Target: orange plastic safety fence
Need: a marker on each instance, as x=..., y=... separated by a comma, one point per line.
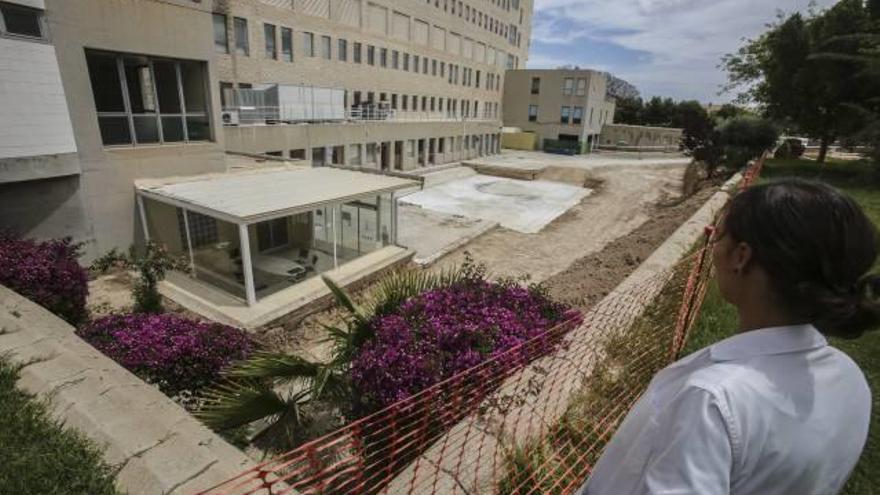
x=530, y=421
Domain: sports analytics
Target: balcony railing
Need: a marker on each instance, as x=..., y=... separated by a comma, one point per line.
x=267, y=115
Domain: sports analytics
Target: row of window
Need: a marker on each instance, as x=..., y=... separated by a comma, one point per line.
x=483, y=20
x=570, y=115
x=370, y=153
x=148, y=100
x=568, y=86
x=383, y=57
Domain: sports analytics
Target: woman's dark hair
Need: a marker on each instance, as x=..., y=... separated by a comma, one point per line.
x=817, y=246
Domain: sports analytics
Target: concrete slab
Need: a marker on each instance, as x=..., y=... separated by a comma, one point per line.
x=219, y=306
x=518, y=205
x=432, y=235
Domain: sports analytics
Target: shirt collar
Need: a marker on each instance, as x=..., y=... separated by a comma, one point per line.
x=768, y=341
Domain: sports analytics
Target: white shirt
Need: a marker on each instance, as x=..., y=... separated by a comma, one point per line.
x=773, y=411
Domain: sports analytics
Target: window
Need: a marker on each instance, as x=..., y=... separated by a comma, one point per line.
x=403, y=100
x=326, y=47
x=415, y=63
x=591, y=116
x=533, y=113
x=146, y=100
x=395, y=59
x=221, y=37
x=434, y=67
x=342, y=50
x=424, y=65
x=406, y=61
x=383, y=57
x=442, y=69
x=287, y=44
x=241, y=36
x=269, y=35
x=202, y=228
x=272, y=234
x=567, y=86
x=536, y=85
x=371, y=55
x=309, y=44
x=577, y=116
x=581, y=87
x=19, y=20
x=356, y=55
x=566, y=114
x=478, y=79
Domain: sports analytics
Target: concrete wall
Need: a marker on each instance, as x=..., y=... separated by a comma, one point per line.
x=550, y=100
x=45, y=209
x=156, y=445
x=407, y=135
x=619, y=136
x=173, y=29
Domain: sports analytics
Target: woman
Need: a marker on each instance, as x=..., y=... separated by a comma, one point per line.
x=773, y=410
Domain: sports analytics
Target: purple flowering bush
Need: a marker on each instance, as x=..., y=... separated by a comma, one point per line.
x=47, y=273
x=441, y=332
x=170, y=351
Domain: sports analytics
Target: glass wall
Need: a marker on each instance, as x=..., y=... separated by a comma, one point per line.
x=216, y=250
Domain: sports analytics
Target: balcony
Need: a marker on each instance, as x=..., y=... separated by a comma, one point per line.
x=272, y=115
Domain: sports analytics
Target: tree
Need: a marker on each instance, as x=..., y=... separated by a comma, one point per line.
x=776, y=71
x=629, y=111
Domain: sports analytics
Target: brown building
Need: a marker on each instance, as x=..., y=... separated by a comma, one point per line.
x=558, y=104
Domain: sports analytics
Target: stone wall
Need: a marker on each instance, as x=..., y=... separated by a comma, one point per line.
x=156, y=445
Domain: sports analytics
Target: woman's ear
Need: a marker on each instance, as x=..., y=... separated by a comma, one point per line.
x=742, y=257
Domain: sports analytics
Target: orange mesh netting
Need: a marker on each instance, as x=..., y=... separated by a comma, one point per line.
x=532, y=420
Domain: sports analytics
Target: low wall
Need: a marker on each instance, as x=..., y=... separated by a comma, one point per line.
x=156, y=445
x=636, y=137
x=527, y=141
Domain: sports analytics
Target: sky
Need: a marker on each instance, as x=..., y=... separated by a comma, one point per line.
x=664, y=47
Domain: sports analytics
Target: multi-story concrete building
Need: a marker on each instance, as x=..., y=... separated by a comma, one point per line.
x=558, y=104
x=420, y=82
x=99, y=93
x=118, y=117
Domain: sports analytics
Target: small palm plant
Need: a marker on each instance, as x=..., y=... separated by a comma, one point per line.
x=282, y=389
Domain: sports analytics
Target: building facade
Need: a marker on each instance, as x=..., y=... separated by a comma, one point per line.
x=570, y=106
x=97, y=94
x=419, y=82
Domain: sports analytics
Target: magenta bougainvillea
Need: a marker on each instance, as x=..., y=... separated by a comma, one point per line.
x=442, y=332
x=47, y=273
x=174, y=353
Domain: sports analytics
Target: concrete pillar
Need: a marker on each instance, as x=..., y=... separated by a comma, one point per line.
x=425, y=152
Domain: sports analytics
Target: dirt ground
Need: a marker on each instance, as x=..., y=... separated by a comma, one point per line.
x=580, y=257
x=622, y=203
x=586, y=281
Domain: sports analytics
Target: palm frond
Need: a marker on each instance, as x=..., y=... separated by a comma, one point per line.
x=400, y=286
x=241, y=402
x=343, y=298
x=277, y=366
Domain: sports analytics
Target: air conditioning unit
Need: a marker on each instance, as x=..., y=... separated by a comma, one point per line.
x=230, y=117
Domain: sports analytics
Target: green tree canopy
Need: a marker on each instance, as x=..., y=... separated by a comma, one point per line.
x=780, y=72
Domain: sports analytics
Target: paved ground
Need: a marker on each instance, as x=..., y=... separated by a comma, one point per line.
x=433, y=234
x=523, y=206
x=622, y=203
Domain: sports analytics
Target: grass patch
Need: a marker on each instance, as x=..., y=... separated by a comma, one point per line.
x=38, y=454
x=718, y=319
